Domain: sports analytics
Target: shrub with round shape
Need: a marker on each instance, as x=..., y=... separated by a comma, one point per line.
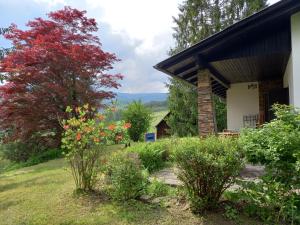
x=125, y=176
x=207, y=167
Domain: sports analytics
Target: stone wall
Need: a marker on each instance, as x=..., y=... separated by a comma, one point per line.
x=206, y=112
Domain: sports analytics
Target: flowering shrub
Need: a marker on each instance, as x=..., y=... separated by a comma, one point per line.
x=85, y=137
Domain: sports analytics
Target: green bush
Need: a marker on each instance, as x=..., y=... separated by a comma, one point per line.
x=125, y=176
x=44, y=157
x=276, y=145
x=20, y=152
x=139, y=116
x=153, y=155
x=269, y=201
x=157, y=189
x=28, y=154
x=207, y=167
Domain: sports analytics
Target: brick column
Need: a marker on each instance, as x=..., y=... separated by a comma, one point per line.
x=206, y=112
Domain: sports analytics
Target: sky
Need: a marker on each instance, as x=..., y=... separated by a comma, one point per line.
x=139, y=32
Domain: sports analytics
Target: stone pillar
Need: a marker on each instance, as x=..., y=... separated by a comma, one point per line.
x=206, y=113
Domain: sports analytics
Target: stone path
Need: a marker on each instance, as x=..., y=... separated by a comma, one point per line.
x=168, y=175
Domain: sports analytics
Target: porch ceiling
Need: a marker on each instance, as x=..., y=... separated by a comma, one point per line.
x=256, y=48
x=252, y=69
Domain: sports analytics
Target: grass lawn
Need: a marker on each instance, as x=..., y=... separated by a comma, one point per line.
x=43, y=194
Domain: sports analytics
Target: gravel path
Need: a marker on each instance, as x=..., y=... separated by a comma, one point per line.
x=168, y=175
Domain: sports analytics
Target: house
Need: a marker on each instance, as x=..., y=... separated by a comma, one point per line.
x=251, y=65
x=162, y=127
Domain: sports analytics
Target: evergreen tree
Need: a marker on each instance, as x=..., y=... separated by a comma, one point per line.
x=197, y=20
x=183, y=117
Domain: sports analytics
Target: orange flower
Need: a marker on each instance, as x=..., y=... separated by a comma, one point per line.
x=101, y=117
x=102, y=134
x=119, y=137
x=88, y=129
x=112, y=127
x=66, y=127
x=96, y=140
x=78, y=136
x=127, y=125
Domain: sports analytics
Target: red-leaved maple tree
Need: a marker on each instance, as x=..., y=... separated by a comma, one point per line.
x=57, y=62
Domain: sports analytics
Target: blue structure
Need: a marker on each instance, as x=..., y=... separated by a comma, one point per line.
x=150, y=137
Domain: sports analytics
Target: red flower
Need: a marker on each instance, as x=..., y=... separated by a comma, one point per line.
x=127, y=125
x=102, y=134
x=96, y=140
x=112, y=127
x=78, y=136
x=119, y=137
x=101, y=117
x=66, y=127
x=88, y=129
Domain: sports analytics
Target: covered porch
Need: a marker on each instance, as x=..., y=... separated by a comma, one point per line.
x=251, y=65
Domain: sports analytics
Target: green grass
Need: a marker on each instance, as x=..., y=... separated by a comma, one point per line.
x=43, y=195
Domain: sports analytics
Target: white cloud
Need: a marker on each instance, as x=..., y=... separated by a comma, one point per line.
x=50, y=3
x=144, y=30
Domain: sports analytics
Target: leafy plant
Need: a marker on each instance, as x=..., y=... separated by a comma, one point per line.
x=207, y=168
x=125, y=176
x=231, y=213
x=157, y=188
x=276, y=145
x=270, y=201
x=84, y=139
x=43, y=157
x=153, y=155
x=139, y=116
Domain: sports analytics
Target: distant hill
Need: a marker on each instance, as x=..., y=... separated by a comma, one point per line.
x=125, y=98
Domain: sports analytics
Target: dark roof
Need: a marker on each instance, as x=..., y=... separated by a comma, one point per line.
x=163, y=119
x=255, y=48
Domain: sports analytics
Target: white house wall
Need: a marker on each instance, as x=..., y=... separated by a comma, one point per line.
x=242, y=100
x=294, y=81
x=288, y=79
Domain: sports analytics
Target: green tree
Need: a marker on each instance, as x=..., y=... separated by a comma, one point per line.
x=198, y=19
x=183, y=116
x=139, y=116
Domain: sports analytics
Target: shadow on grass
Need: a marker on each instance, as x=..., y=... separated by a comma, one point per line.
x=4, y=205
x=36, y=181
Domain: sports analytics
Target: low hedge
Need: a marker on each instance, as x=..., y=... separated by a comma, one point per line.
x=154, y=154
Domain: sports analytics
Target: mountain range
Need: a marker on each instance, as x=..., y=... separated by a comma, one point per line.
x=125, y=98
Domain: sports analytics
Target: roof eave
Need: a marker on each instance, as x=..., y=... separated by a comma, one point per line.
x=264, y=15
